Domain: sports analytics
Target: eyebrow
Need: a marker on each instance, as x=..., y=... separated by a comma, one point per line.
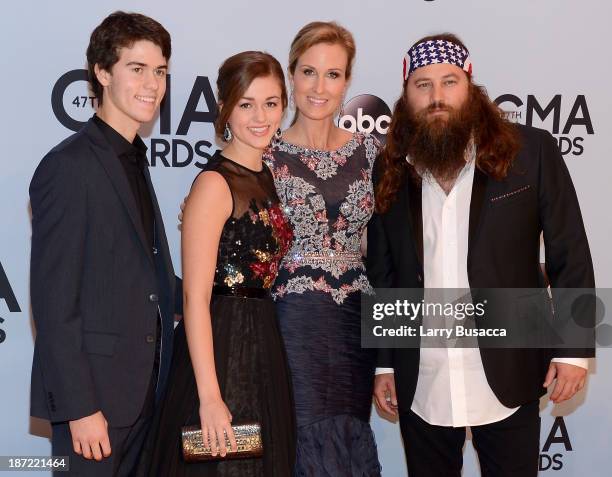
x=138, y=63
x=314, y=68
x=253, y=99
x=427, y=78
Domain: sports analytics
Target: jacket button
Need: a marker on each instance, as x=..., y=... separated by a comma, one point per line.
x=153, y=298
x=150, y=338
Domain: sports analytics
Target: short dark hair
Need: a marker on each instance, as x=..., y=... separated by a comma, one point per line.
x=120, y=30
x=236, y=75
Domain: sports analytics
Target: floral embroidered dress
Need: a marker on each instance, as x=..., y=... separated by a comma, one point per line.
x=328, y=198
x=250, y=358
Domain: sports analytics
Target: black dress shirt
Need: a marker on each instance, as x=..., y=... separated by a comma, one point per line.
x=133, y=157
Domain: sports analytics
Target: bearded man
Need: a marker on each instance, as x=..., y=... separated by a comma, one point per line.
x=462, y=199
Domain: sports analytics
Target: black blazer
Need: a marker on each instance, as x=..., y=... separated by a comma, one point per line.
x=95, y=285
x=506, y=218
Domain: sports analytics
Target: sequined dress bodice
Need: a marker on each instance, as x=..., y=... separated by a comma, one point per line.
x=256, y=236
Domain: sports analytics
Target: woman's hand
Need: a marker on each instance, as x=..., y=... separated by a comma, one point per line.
x=216, y=419
x=180, y=215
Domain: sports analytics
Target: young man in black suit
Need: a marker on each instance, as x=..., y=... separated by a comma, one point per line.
x=462, y=198
x=102, y=282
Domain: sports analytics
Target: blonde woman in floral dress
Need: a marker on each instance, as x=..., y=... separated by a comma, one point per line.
x=322, y=176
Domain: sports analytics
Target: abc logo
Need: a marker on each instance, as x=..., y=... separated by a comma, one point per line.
x=366, y=113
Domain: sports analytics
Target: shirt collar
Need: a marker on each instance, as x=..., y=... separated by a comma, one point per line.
x=120, y=145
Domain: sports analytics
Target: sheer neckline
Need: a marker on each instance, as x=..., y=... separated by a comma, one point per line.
x=253, y=171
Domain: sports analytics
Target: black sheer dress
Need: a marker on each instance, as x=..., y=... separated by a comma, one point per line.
x=250, y=358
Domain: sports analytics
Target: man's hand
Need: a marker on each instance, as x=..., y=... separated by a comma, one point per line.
x=569, y=380
x=90, y=436
x=384, y=393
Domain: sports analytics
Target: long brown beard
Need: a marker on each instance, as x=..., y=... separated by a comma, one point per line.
x=438, y=145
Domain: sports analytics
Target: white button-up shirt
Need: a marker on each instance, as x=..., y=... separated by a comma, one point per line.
x=452, y=389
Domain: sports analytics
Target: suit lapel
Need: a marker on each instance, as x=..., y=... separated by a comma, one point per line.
x=160, y=233
x=479, y=187
x=414, y=196
x=116, y=174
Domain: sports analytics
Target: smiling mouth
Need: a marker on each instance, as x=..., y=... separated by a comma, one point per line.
x=260, y=130
x=316, y=101
x=146, y=99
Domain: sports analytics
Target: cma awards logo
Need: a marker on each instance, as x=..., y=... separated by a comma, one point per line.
x=366, y=113
x=557, y=436
x=569, y=128
x=72, y=109
x=7, y=294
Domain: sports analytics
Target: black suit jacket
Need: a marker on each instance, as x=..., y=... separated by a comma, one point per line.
x=96, y=286
x=506, y=219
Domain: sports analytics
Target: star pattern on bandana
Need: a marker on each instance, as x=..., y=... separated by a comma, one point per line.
x=432, y=52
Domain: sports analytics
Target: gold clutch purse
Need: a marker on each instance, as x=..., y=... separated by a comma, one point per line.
x=248, y=439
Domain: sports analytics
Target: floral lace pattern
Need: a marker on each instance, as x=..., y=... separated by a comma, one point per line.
x=328, y=198
x=302, y=283
x=323, y=163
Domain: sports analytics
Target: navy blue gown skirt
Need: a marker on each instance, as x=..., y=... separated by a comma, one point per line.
x=332, y=384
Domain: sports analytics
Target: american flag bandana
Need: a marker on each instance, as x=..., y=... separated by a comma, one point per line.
x=431, y=52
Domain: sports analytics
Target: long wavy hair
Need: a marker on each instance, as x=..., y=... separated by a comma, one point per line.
x=496, y=139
